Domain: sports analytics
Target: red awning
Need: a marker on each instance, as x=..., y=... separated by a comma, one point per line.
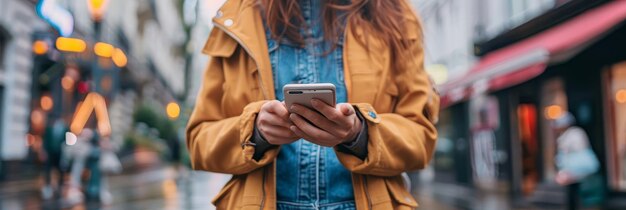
x=529, y=58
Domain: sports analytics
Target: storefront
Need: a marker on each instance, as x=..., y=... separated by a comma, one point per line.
x=451, y=162
x=577, y=66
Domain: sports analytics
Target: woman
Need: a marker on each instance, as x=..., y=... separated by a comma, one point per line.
x=346, y=157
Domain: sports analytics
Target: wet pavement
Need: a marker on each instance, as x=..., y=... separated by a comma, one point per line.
x=168, y=188
x=160, y=188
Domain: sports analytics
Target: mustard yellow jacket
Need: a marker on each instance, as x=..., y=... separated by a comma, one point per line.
x=238, y=80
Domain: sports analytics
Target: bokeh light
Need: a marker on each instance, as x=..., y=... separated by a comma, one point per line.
x=46, y=103
x=70, y=138
x=620, y=96
x=71, y=44
x=119, y=58
x=67, y=83
x=103, y=49
x=40, y=47
x=173, y=110
x=553, y=112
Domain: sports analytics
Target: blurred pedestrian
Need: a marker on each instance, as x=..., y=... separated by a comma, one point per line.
x=575, y=159
x=95, y=153
x=348, y=156
x=78, y=154
x=53, y=141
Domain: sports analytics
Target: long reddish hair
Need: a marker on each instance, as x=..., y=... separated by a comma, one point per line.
x=384, y=19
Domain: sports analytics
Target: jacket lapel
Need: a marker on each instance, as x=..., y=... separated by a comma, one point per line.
x=243, y=22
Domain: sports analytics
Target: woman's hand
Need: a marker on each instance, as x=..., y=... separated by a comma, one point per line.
x=328, y=126
x=273, y=123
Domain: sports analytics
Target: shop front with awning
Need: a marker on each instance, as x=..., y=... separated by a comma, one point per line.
x=512, y=94
x=529, y=58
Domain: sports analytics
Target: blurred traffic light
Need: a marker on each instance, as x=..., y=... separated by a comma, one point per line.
x=104, y=50
x=82, y=87
x=71, y=44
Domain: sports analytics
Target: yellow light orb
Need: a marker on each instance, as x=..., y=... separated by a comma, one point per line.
x=173, y=110
x=620, y=96
x=46, y=103
x=40, y=47
x=553, y=112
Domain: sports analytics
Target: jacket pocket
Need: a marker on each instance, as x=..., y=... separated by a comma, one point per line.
x=401, y=197
x=389, y=97
x=219, y=44
x=221, y=199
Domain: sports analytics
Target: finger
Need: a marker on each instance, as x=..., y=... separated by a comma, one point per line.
x=305, y=136
x=300, y=133
x=330, y=112
x=276, y=131
x=277, y=108
x=319, y=120
x=274, y=119
x=281, y=110
x=310, y=130
x=346, y=109
x=314, y=117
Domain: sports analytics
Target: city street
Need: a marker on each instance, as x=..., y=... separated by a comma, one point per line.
x=164, y=188
x=507, y=104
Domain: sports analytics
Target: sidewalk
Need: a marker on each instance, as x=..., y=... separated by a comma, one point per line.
x=156, y=188
x=452, y=197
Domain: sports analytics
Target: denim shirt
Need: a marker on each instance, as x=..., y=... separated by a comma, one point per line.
x=309, y=176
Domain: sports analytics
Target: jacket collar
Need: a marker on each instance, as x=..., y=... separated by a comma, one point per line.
x=241, y=19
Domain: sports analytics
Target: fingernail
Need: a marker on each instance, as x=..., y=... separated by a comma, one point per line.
x=293, y=128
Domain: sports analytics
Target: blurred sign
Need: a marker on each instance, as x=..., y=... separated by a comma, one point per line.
x=71, y=44
x=58, y=17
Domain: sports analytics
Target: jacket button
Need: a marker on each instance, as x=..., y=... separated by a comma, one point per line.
x=372, y=114
x=228, y=22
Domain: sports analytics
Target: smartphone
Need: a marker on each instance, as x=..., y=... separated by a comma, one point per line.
x=303, y=93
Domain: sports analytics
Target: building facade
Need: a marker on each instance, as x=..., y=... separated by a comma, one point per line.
x=541, y=59
x=18, y=22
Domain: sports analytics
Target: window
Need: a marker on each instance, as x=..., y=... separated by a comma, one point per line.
x=615, y=105
x=3, y=45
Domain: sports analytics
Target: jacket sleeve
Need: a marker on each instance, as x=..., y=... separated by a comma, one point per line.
x=404, y=139
x=220, y=143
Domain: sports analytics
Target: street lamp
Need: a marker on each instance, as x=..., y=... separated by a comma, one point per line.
x=119, y=58
x=71, y=44
x=97, y=8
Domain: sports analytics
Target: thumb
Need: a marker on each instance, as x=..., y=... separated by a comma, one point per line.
x=346, y=109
